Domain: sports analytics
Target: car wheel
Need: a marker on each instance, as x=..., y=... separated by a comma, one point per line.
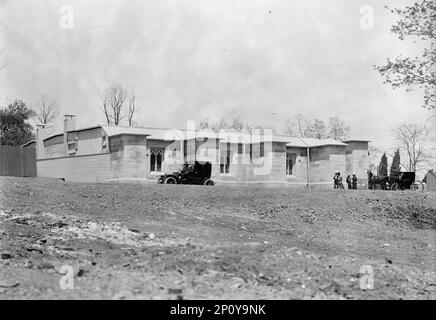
x=209, y=182
x=170, y=180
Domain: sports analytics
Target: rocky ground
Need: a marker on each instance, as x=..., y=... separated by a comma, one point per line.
x=127, y=241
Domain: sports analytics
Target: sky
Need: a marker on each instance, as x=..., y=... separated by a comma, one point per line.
x=262, y=61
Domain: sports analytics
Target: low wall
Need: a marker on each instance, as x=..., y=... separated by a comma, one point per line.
x=89, y=168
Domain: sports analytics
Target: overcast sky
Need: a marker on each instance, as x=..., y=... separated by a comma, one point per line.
x=261, y=60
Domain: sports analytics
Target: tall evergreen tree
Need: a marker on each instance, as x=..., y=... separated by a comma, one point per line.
x=383, y=166
x=395, y=166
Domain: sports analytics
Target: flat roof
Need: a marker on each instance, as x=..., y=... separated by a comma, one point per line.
x=69, y=131
x=226, y=136
x=356, y=140
x=313, y=142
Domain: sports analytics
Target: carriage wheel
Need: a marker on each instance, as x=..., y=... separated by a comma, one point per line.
x=417, y=186
x=395, y=186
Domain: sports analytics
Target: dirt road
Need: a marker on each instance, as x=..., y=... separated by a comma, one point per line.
x=127, y=241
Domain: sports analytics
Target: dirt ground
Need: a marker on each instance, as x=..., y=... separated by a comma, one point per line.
x=137, y=241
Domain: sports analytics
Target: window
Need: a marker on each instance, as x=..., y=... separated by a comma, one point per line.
x=240, y=148
x=104, y=143
x=290, y=162
x=257, y=150
x=156, y=158
x=72, y=148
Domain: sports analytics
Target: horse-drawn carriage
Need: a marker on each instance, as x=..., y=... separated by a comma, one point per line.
x=398, y=181
x=405, y=180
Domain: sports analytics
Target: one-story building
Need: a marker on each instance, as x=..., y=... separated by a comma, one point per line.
x=104, y=153
x=430, y=180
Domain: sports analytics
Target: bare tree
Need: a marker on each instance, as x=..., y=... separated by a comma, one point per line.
x=106, y=111
x=374, y=154
x=48, y=111
x=317, y=129
x=413, y=139
x=297, y=126
x=113, y=102
x=301, y=127
x=302, y=124
x=132, y=108
x=235, y=124
x=338, y=130
x=205, y=123
x=290, y=127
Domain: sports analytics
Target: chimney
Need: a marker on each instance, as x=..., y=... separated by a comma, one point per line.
x=40, y=136
x=69, y=125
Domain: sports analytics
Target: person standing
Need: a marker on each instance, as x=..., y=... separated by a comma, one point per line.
x=335, y=180
x=370, y=182
x=340, y=184
x=349, y=181
x=354, y=179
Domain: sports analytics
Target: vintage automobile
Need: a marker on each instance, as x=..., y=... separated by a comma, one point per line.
x=192, y=173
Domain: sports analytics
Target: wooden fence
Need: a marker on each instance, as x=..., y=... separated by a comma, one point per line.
x=17, y=161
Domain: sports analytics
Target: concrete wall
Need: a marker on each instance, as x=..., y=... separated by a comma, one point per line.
x=269, y=166
x=128, y=156
x=357, y=159
x=90, y=168
x=324, y=161
x=52, y=148
x=53, y=151
x=88, y=141
x=430, y=182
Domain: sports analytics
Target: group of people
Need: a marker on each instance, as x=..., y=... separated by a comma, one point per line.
x=351, y=181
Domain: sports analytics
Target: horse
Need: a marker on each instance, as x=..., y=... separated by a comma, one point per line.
x=376, y=180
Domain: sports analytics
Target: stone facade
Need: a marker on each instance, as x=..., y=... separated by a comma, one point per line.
x=143, y=153
x=357, y=158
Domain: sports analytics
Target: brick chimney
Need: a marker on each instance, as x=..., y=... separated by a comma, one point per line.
x=69, y=125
